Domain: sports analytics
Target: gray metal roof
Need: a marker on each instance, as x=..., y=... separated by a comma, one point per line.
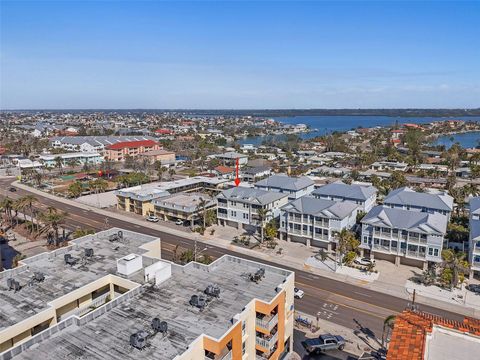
x=255, y=170
x=98, y=140
x=231, y=155
x=407, y=196
x=474, y=205
x=321, y=207
x=407, y=220
x=283, y=181
x=475, y=230
x=340, y=189
x=251, y=195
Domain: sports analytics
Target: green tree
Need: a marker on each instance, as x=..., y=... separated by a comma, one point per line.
x=78, y=233
x=456, y=263
x=271, y=230
x=262, y=215
x=75, y=189
x=346, y=242
x=388, y=325
x=52, y=219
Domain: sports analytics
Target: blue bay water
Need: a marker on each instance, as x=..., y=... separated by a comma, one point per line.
x=327, y=124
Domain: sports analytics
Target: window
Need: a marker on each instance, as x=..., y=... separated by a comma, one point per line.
x=435, y=252
x=245, y=216
x=233, y=213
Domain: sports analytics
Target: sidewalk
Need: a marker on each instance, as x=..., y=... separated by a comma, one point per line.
x=293, y=255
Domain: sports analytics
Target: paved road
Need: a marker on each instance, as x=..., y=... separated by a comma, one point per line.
x=348, y=305
x=299, y=336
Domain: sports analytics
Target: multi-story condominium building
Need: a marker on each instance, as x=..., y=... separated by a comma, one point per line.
x=474, y=254
x=294, y=187
x=111, y=296
x=238, y=207
x=429, y=202
x=119, y=151
x=91, y=143
x=403, y=236
x=364, y=196
x=139, y=199
x=70, y=159
x=314, y=222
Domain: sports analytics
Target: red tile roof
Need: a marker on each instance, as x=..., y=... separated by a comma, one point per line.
x=411, y=328
x=224, y=169
x=132, y=144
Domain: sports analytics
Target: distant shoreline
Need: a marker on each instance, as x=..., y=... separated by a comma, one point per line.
x=440, y=113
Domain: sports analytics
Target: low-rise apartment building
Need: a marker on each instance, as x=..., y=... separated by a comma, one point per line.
x=166, y=157
x=389, y=166
x=429, y=202
x=139, y=199
x=188, y=207
x=254, y=174
x=294, y=187
x=71, y=159
x=363, y=196
x=111, y=296
x=91, y=143
x=119, y=151
x=238, y=207
x=474, y=246
x=403, y=236
x=314, y=222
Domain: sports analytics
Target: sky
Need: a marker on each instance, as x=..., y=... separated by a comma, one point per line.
x=239, y=54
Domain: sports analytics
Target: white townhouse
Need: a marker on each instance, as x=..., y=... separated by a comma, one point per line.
x=429, y=202
x=363, y=196
x=238, y=207
x=474, y=248
x=403, y=236
x=314, y=222
x=294, y=187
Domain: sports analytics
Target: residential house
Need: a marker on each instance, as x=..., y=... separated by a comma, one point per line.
x=403, y=236
x=430, y=202
x=389, y=165
x=254, y=174
x=295, y=187
x=314, y=222
x=71, y=159
x=363, y=196
x=230, y=158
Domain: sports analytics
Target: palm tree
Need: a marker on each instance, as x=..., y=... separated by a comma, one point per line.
x=388, y=324
x=75, y=189
x=262, y=214
x=202, y=203
x=58, y=163
x=456, y=263
x=52, y=220
x=29, y=201
x=346, y=242
x=7, y=206
x=171, y=172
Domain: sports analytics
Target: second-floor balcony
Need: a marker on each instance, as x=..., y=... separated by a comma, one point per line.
x=225, y=356
x=267, y=323
x=267, y=343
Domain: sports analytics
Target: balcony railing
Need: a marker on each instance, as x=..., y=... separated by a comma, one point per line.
x=415, y=254
x=267, y=343
x=267, y=322
x=227, y=356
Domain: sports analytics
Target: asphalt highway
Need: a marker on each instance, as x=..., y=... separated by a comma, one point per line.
x=348, y=305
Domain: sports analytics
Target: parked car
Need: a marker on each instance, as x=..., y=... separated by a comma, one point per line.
x=474, y=288
x=152, y=218
x=12, y=189
x=179, y=222
x=364, y=261
x=324, y=343
x=298, y=293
